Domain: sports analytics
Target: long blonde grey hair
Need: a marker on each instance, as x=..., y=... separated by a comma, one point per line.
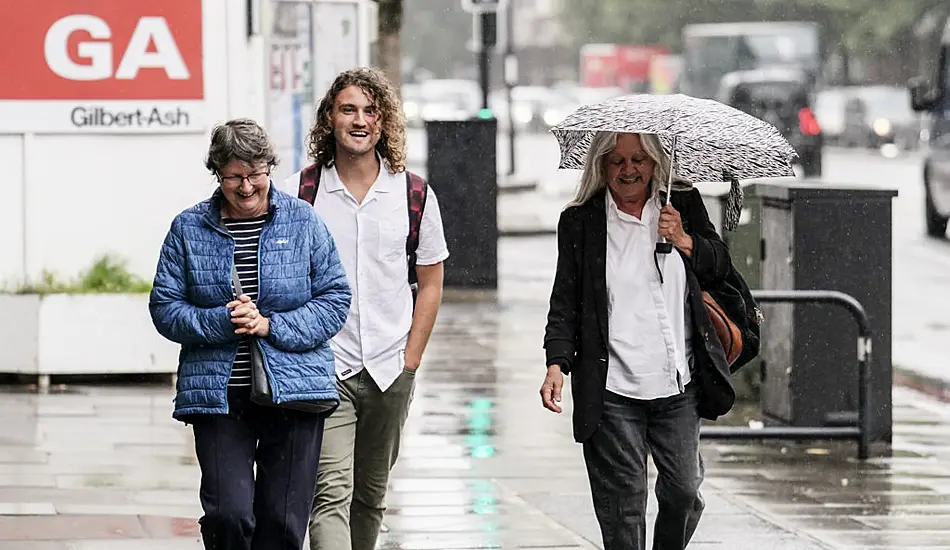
x=594, y=178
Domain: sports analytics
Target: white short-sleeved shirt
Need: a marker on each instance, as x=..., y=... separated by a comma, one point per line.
x=371, y=241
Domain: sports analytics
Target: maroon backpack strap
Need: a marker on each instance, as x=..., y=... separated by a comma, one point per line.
x=416, y=191
x=309, y=181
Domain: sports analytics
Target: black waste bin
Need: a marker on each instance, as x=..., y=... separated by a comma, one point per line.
x=461, y=167
x=825, y=237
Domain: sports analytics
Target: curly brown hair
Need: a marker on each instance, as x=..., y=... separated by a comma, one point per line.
x=321, y=145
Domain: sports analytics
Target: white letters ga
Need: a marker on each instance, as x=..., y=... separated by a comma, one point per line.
x=149, y=29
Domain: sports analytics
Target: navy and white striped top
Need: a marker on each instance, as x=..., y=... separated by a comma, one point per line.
x=247, y=236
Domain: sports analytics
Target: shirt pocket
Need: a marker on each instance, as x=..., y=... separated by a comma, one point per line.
x=392, y=230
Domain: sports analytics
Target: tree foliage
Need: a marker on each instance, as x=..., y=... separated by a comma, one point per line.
x=435, y=35
x=388, y=40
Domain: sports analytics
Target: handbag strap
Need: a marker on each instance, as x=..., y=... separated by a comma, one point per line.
x=236, y=281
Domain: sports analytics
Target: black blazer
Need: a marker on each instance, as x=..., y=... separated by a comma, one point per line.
x=576, y=333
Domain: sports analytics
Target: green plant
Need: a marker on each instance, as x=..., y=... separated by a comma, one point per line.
x=106, y=275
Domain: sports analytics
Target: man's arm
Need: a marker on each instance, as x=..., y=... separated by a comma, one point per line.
x=430, y=255
x=428, y=301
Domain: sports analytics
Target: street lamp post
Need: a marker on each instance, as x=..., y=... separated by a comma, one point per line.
x=484, y=39
x=484, y=42
x=511, y=79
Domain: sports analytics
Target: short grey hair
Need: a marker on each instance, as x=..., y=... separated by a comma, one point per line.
x=241, y=139
x=594, y=178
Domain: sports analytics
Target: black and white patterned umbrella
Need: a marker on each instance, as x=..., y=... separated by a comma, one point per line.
x=713, y=142
x=706, y=140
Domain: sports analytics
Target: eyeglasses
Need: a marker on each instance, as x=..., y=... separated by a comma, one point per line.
x=256, y=178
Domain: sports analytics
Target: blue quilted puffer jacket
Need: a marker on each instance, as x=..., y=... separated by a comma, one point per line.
x=302, y=289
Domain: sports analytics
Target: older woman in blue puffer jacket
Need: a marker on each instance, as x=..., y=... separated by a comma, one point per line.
x=295, y=297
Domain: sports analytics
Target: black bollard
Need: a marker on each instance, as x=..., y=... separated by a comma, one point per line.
x=461, y=167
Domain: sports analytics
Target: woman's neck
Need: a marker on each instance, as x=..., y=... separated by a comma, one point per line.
x=228, y=214
x=633, y=207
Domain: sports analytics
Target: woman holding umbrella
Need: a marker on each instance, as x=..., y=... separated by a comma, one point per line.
x=630, y=326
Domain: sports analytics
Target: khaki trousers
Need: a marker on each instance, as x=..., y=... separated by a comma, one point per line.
x=360, y=445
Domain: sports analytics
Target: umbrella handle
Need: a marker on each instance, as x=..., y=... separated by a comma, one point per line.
x=663, y=247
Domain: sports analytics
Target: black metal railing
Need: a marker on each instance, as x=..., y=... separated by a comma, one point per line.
x=858, y=431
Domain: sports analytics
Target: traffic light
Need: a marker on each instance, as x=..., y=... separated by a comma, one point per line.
x=484, y=32
x=477, y=6
x=484, y=40
x=488, y=29
x=485, y=22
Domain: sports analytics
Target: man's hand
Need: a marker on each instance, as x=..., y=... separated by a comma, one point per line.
x=428, y=300
x=551, y=388
x=411, y=360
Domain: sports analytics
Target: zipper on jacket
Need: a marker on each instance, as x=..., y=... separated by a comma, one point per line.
x=217, y=226
x=270, y=378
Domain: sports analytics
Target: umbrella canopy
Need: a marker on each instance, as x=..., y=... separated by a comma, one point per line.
x=712, y=141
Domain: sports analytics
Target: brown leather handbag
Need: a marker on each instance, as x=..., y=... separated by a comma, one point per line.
x=730, y=336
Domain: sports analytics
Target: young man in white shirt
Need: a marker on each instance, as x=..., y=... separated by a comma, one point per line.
x=358, y=144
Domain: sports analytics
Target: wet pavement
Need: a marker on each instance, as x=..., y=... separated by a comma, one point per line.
x=483, y=465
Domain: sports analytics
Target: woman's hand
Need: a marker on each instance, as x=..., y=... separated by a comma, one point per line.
x=671, y=229
x=247, y=318
x=551, y=388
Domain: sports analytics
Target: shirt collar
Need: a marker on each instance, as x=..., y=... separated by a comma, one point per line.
x=651, y=211
x=385, y=181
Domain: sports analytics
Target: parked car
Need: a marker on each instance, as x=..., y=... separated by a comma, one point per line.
x=932, y=97
x=567, y=98
x=412, y=104
x=529, y=104
x=440, y=99
x=783, y=97
x=829, y=110
x=875, y=116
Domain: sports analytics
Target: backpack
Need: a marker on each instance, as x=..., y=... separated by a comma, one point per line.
x=416, y=191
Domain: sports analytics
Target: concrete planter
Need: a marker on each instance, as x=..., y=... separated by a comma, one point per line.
x=81, y=334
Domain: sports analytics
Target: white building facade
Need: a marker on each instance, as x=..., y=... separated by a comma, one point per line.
x=106, y=109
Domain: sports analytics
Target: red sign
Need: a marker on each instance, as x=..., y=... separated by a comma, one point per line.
x=625, y=66
x=633, y=62
x=598, y=65
x=102, y=50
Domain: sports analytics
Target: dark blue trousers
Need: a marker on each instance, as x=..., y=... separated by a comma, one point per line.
x=269, y=511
